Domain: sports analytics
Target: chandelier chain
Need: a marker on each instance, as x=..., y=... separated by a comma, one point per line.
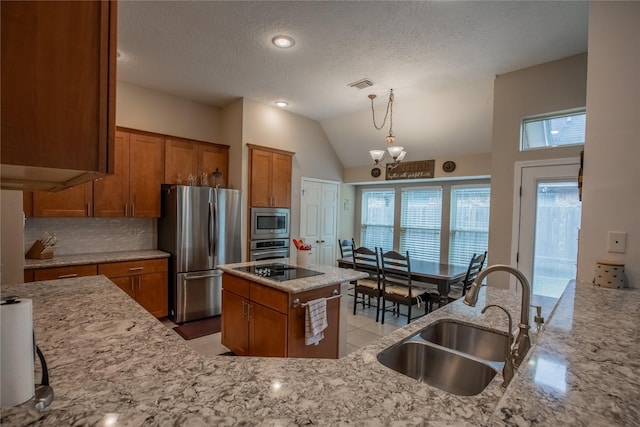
x=386, y=114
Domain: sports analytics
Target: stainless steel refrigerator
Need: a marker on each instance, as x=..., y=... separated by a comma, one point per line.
x=201, y=228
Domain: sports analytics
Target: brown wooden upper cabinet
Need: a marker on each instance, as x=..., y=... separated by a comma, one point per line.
x=185, y=157
x=270, y=177
x=134, y=189
x=76, y=201
x=58, y=92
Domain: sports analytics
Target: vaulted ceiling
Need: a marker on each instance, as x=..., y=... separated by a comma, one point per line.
x=439, y=57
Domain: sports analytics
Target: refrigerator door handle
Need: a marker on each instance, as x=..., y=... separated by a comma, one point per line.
x=203, y=276
x=211, y=226
x=215, y=229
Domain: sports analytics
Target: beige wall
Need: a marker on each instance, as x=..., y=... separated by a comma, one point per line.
x=145, y=109
x=274, y=127
x=611, y=192
x=346, y=211
x=554, y=86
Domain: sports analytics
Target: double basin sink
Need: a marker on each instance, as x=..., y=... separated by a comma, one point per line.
x=455, y=357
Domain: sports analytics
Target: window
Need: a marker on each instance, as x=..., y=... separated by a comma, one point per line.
x=553, y=130
x=420, y=221
x=377, y=219
x=469, y=232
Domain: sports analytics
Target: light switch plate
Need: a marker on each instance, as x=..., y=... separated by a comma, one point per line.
x=617, y=242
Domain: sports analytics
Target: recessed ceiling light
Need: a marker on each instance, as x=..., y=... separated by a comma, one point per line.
x=282, y=104
x=555, y=132
x=283, y=41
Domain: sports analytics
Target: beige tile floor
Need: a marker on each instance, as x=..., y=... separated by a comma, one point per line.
x=362, y=329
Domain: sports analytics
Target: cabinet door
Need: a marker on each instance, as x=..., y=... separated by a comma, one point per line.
x=261, y=164
x=71, y=202
x=146, y=168
x=58, y=84
x=212, y=157
x=281, y=181
x=152, y=293
x=181, y=157
x=267, y=332
x=329, y=346
x=111, y=193
x=127, y=284
x=234, y=326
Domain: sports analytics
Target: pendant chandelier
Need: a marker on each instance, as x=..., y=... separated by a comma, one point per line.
x=396, y=152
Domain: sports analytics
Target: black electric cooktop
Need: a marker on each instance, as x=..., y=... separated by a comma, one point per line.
x=278, y=271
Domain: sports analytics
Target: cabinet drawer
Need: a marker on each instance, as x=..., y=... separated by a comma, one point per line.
x=128, y=268
x=65, y=272
x=269, y=297
x=236, y=285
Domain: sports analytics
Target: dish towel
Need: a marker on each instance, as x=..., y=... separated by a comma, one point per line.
x=315, y=321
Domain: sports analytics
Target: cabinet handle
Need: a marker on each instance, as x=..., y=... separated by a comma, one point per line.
x=131, y=282
x=133, y=210
x=136, y=268
x=89, y=209
x=68, y=276
x=249, y=311
x=125, y=209
x=244, y=314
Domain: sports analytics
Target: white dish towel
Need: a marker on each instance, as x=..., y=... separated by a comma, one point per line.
x=315, y=321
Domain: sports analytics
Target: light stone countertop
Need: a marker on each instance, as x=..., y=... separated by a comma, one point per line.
x=112, y=363
x=330, y=276
x=96, y=258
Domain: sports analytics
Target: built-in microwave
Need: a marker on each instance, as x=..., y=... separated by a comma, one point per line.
x=269, y=223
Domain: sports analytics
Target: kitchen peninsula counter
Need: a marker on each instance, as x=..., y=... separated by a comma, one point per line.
x=95, y=258
x=111, y=363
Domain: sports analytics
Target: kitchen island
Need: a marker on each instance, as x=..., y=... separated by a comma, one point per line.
x=264, y=314
x=112, y=363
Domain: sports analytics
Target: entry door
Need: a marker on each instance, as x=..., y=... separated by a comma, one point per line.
x=318, y=219
x=549, y=224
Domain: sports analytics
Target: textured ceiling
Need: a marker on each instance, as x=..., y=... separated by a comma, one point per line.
x=439, y=57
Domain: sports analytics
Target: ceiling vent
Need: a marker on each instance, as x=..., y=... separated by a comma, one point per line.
x=362, y=84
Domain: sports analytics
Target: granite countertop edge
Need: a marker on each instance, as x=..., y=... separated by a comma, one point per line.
x=95, y=258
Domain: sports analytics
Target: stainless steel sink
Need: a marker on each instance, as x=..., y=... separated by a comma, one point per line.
x=438, y=367
x=482, y=343
x=455, y=357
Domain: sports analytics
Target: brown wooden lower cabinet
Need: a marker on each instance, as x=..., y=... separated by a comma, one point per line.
x=143, y=280
x=261, y=321
x=67, y=272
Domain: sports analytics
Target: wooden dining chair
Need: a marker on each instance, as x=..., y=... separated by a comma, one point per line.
x=458, y=290
x=366, y=260
x=346, y=248
x=397, y=286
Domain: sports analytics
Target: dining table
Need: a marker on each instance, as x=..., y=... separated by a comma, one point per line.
x=442, y=275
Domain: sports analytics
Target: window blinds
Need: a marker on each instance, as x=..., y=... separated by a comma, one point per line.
x=420, y=221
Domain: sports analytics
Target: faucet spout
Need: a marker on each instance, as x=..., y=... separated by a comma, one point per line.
x=508, y=369
x=523, y=342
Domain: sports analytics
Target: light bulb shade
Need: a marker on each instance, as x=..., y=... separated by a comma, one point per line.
x=401, y=156
x=395, y=151
x=376, y=155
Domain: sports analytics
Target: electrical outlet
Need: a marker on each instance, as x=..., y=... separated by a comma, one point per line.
x=617, y=242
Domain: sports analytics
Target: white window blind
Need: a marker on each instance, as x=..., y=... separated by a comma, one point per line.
x=420, y=220
x=469, y=232
x=377, y=219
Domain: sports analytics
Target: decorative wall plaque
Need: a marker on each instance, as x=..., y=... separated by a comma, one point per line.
x=411, y=170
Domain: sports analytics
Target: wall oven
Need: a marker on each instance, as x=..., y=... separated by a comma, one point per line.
x=269, y=249
x=269, y=223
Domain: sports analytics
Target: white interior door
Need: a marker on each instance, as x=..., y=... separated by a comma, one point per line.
x=318, y=219
x=549, y=225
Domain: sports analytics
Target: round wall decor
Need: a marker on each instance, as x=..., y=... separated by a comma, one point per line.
x=449, y=166
x=375, y=172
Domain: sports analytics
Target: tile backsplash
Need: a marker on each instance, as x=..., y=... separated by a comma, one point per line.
x=92, y=235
